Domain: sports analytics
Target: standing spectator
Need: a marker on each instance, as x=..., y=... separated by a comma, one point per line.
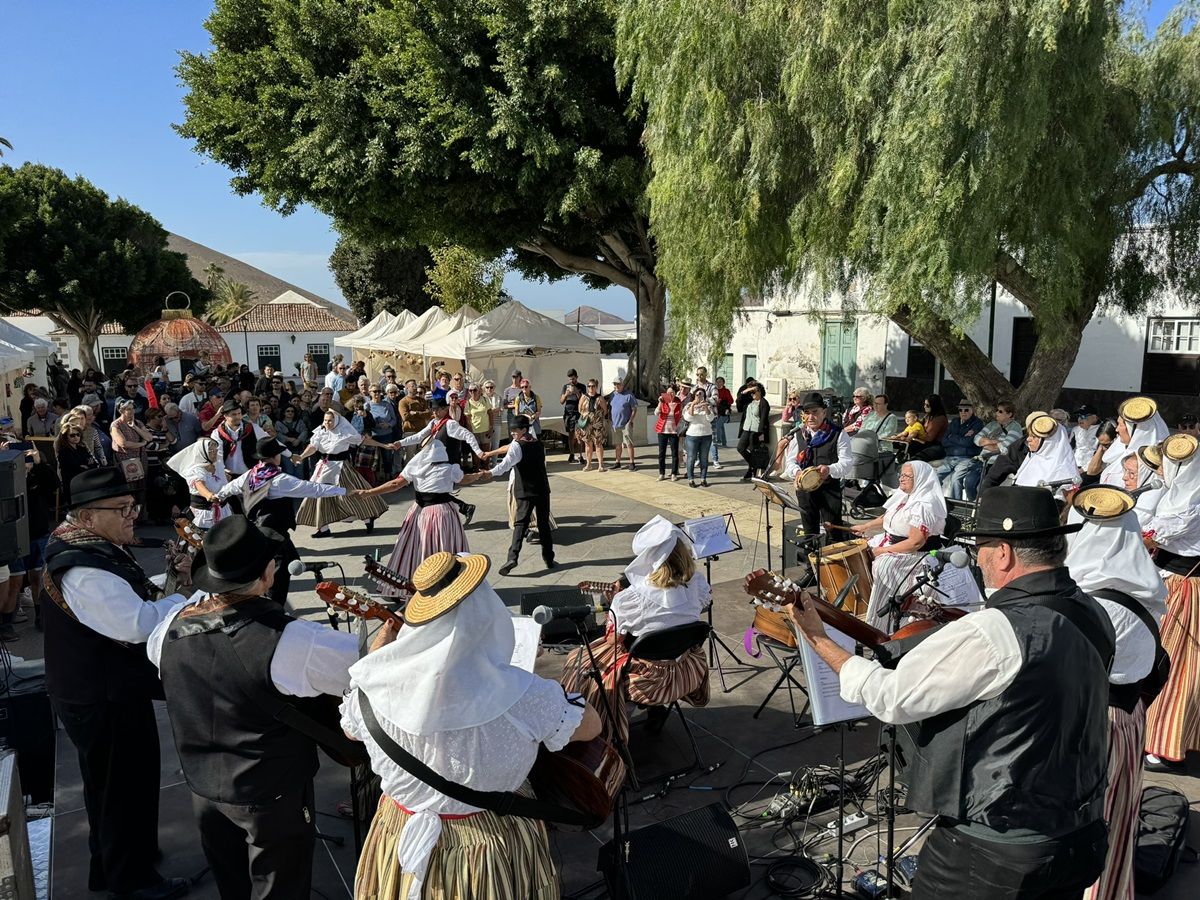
x=478, y=412
x=723, y=404
x=366, y=453
x=73, y=457
x=29, y=394
x=43, y=422
x=571, y=392
x=858, y=410
x=414, y=412
x=255, y=415
x=41, y=484
x=670, y=413
x=354, y=390
x=496, y=404
x=182, y=428
x=1087, y=423
x=316, y=415
x=622, y=406
x=746, y=394
x=699, y=416
x=959, y=441
x=74, y=388
x=129, y=441
x=92, y=433
x=529, y=405
x=392, y=394
x=160, y=377
x=291, y=431
x=132, y=392
x=332, y=365
x=203, y=366
x=387, y=424
x=441, y=387
x=934, y=424
x=457, y=384
x=756, y=426
x=191, y=401
x=592, y=423
x=245, y=378
x=309, y=373
x=281, y=391
x=336, y=379
x=710, y=389
x=510, y=400
x=209, y=412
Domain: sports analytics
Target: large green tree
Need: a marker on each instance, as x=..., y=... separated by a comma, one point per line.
x=496, y=125
x=82, y=258
x=915, y=150
x=374, y=278
x=461, y=278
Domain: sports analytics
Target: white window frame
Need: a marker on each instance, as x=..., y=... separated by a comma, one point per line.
x=114, y=353
x=278, y=354
x=319, y=350
x=1173, y=336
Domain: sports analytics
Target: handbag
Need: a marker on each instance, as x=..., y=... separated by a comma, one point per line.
x=133, y=469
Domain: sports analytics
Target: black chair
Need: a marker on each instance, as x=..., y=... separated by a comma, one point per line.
x=662, y=646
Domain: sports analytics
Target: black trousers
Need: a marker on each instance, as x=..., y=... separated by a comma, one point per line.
x=747, y=441
x=260, y=851
x=957, y=866
x=283, y=578
x=821, y=505
x=117, y=744
x=525, y=510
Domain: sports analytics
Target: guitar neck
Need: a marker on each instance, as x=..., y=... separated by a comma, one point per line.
x=387, y=577
x=355, y=603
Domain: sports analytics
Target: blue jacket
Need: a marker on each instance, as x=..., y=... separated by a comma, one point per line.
x=959, y=439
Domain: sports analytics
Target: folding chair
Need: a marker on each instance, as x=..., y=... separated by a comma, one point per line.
x=786, y=658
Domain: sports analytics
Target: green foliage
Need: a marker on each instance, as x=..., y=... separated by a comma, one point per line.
x=916, y=150
x=374, y=279
x=82, y=258
x=461, y=278
x=230, y=298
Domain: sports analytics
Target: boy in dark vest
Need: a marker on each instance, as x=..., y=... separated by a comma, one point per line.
x=236, y=440
x=242, y=679
x=526, y=457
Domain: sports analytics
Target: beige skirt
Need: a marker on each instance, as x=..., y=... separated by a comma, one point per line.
x=323, y=511
x=479, y=857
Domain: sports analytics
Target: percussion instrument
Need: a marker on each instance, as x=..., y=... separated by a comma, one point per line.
x=840, y=561
x=809, y=480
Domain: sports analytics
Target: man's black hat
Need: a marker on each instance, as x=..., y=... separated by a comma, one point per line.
x=1018, y=512
x=812, y=400
x=439, y=403
x=235, y=553
x=269, y=446
x=230, y=406
x=98, y=484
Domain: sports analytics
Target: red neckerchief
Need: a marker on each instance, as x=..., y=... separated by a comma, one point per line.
x=437, y=425
x=817, y=438
x=226, y=436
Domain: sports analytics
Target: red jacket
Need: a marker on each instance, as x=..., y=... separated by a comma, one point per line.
x=668, y=409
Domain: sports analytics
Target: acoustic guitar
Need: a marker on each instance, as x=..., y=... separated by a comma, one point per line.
x=584, y=775
x=186, y=544
x=387, y=577
x=356, y=603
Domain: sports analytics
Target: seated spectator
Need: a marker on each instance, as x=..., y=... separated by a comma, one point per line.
x=912, y=433
x=959, y=440
x=880, y=419
x=43, y=422
x=1188, y=424
x=992, y=440
x=858, y=410
x=935, y=424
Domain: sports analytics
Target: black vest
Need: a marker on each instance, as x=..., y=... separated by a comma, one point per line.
x=532, y=480
x=233, y=750
x=82, y=665
x=1036, y=756
x=827, y=453
x=245, y=438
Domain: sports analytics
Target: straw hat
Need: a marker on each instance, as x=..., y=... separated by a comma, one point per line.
x=1151, y=455
x=1137, y=409
x=1033, y=415
x=1179, y=447
x=1100, y=503
x=443, y=581
x=1042, y=426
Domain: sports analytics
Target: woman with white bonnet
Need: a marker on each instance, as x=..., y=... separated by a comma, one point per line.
x=913, y=521
x=1050, y=461
x=333, y=439
x=1173, y=721
x=665, y=589
x=1108, y=560
x=433, y=522
x=1142, y=477
x=1139, y=424
x=445, y=690
x=197, y=465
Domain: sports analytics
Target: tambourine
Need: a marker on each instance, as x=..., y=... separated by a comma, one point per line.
x=809, y=480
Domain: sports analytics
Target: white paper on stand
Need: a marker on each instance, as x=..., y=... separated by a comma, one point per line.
x=529, y=638
x=824, y=686
x=709, y=535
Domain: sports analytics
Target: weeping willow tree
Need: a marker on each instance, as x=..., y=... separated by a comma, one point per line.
x=919, y=149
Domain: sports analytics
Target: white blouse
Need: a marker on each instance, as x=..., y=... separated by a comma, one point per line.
x=1178, y=534
x=326, y=441
x=202, y=516
x=433, y=479
x=643, y=609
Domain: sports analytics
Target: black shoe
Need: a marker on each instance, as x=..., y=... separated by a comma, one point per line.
x=507, y=568
x=571, y=458
x=164, y=890
x=550, y=563
x=746, y=477
x=656, y=718
x=322, y=533
x=468, y=514
x=1156, y=764
x=370, y=525
x=618, y=465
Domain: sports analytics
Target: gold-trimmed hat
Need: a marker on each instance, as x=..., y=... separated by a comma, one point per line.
x=1151, y=455
x=1103, y=502
x=1179, y=447
x=443, y=581
x=1042, y=425
x=1033, y=415
x=1137, y=409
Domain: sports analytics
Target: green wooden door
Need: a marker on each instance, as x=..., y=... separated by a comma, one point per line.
x=839, y=356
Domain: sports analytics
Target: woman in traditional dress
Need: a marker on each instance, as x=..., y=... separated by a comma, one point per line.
x=1139, y=424
x=433, y=522
x=1050, y=460
x=197, y=465
x=1173, y=721
x=665, y=589
x=333, y=440
x=593, y=425
x=913, y=521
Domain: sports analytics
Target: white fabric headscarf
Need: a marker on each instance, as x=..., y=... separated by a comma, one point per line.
x=201, y=453
x=924, y=504
x=653, y=544
x=1054, y=460
x=341, y=437
x=1142, y=434
x=1110, y=555
x=1183, y=486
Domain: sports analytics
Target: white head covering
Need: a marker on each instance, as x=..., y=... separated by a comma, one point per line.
x=341, y=437
x=924, y=505
x=1183, y=486
x=653, y=544
x=1142, y=434
x=430, y=470
x=1110, y=554
x=1054, y=460
x=201, y=453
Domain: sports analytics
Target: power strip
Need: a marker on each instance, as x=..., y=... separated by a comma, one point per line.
x=850, y=824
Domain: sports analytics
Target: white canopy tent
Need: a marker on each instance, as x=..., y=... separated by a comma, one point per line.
x=381, y=321
x=383, y=349
x=448, y=326
x=20, y=350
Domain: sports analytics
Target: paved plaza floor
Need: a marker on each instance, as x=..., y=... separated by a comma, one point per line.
x=597, y=515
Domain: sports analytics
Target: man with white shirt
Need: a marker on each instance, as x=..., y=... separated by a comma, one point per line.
x=824, y=445
x=245, y=686
x=98, y=609
x=1005, y=713
x=194, y=399
x=236, y=440
x=1087, y=424
x=525, y=456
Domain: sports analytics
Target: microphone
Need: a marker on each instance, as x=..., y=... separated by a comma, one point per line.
x=543, y=615
x=1053, y=485
x=299, y=567
x=936, y=560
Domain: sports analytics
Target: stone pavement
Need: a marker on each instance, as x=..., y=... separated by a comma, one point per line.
x=597, y=514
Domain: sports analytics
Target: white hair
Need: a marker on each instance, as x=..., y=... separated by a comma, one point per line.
x=42, y=402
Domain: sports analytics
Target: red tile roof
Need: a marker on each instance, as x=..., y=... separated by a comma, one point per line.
x=293, y=317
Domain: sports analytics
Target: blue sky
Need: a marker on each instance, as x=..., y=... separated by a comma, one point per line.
x=90, y=87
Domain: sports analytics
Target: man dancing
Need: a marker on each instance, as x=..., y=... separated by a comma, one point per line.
x=525, y=457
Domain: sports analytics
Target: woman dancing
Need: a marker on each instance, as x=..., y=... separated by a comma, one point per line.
x=333, y=440
x=197, y=465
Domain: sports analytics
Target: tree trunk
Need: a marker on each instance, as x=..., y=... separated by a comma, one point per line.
x=651, y=320
x=87, y=353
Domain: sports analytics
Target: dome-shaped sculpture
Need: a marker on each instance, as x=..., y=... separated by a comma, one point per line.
x=177, y=335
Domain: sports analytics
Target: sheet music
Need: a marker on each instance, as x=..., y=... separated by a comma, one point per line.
x=824, y=686
x=709, y=535
x=777, y=495
x=529, y=638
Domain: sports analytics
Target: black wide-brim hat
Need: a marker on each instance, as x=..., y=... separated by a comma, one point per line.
x=98, y=484
x=1018, y=512
x=269, y=446
x=234, y=554
x=522, y=422
x=812, y=400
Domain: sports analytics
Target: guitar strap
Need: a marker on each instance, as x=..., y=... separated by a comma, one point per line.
x=503, y=803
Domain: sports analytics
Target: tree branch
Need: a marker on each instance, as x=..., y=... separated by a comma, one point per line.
x=578, y=263
x=1017, y=280
x=1170, y=167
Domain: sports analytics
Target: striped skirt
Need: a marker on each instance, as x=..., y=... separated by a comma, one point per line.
x=649, y=683
x=424, y=532
x=322, y=511
x=1173, y=721
x=480, y=857
x=1121, y=803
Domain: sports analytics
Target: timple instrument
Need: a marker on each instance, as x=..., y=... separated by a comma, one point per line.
x=355, y=603
x=387, y=577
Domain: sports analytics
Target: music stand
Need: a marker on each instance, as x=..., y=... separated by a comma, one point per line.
x=773, y=496
x=710, y=536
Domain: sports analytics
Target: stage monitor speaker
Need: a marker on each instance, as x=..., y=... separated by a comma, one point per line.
x=560, y=631
x=696, y=856
x=27, y=726
x=14, y=511
x=16, y=867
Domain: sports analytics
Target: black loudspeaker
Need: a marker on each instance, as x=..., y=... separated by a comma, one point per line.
x=14, y=511
x=560, y=631
x=27, y=726
x=696, y=856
